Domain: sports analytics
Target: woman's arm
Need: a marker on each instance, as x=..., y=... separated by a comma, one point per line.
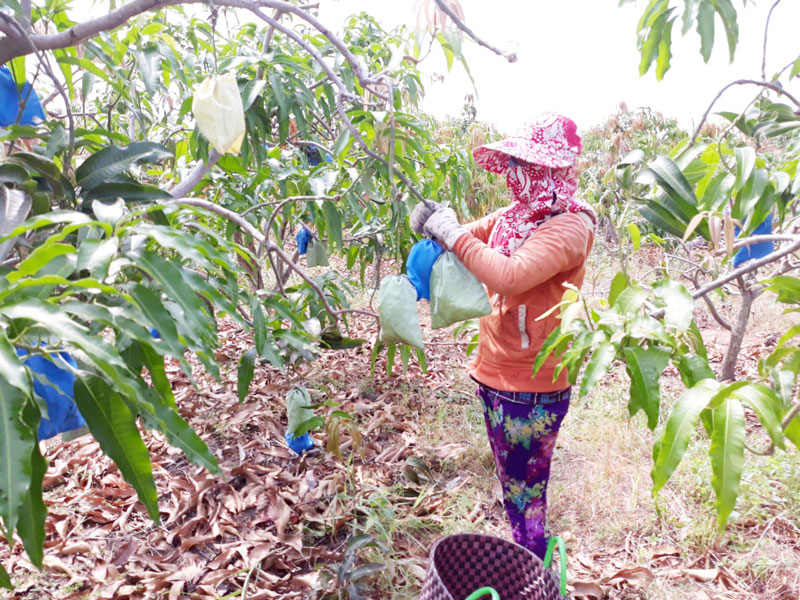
x=482, y=228
x=560, y=244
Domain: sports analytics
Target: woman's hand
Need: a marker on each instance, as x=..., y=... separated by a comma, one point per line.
x=419, y=216
x=444, y=226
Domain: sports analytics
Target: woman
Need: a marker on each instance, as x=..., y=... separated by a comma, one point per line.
x=523, y=254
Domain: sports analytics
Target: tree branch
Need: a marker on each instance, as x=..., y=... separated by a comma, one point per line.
x=765, y=84
x=766, y=37
x=509, y=56
x=195, y=175
x=751, y=265
x=270, y=247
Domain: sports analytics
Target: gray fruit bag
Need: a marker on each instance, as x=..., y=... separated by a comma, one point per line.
x=397, y=309
x=456, y=294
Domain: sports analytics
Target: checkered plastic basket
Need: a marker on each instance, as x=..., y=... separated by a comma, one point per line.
x=461, y=564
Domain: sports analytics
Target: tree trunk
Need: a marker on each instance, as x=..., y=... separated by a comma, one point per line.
x=737, y=333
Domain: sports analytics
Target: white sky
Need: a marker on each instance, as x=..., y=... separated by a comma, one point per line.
x=579, y=57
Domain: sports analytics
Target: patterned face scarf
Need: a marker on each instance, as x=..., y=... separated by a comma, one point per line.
x=538, y=193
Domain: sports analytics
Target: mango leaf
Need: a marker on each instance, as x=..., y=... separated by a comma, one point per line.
x=786, y=287
x=104, y=165
x=745, y=162
x=727, y=456
x=618, y=284
x=32, y=513
x=114, y=427
x=149, y=63
x=669, y=177
x=792, y=431
x=678, y=304
x=705, y=28
x=247, y=364
x=727, y=13
x=597, y=366
x=767, y=405
x=16, y=446
x=680, y=426
x=5, y=580
x=644, y=368
x=129, y=191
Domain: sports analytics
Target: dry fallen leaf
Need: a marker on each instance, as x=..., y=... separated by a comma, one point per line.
x=587, y=590
x=638, y=576
x=702, y=574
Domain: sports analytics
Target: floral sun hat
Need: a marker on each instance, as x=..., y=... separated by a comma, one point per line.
x=551, y=140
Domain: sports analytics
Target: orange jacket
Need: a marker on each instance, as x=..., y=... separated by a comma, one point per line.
x=521, y=288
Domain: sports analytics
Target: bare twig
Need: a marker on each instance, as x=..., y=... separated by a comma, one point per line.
x=766, y=37
x=509, y=56
x=747, y=268
x=765, y=84
x=793, y=412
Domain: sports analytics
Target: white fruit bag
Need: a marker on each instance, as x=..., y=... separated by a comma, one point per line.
x=397, y=309
x=218, y=110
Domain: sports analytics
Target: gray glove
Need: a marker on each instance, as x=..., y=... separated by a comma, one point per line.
x=444, y=226
x=419, y=217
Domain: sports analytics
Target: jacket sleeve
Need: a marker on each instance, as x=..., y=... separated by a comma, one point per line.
x=560, y=244
x=482, y=228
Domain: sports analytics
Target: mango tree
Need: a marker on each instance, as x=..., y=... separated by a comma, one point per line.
x=124, y=236
x=734, y=196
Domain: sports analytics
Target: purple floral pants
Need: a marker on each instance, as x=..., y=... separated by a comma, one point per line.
x=522, y=430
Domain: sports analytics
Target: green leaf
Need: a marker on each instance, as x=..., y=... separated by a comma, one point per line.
x=670, y=177
x=705, y=27
x=247, y=365
x=150, y=304
x=792, y=431
x=172, y=282
x=650, y=44
x=178, y=432
x=644, y=368
x=251, y=91
x=104, y=165
x=693, y=369
x=597, y=366
x=130, y=192
x=795, y=69
x=423, y=363
x=618, y=284
x=13, y=372
x=333, y=223
x=114, y=427
x=5, y=580
x=149, y=63
x=745, y=162
x=678, y=304
x=636, y=236
x=16, y=446
x=767, y=405
x=37, y=259
x=727, y=13
x=32, y=513
x=680, y=425
x=298, y=411
x=259, y=326
x=664, y=50
x=727, y=456
x=629, y=300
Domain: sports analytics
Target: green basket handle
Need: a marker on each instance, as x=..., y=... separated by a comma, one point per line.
x=548, y=559
x=482, y=592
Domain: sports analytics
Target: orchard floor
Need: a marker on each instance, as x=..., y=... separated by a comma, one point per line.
x=275, y=525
